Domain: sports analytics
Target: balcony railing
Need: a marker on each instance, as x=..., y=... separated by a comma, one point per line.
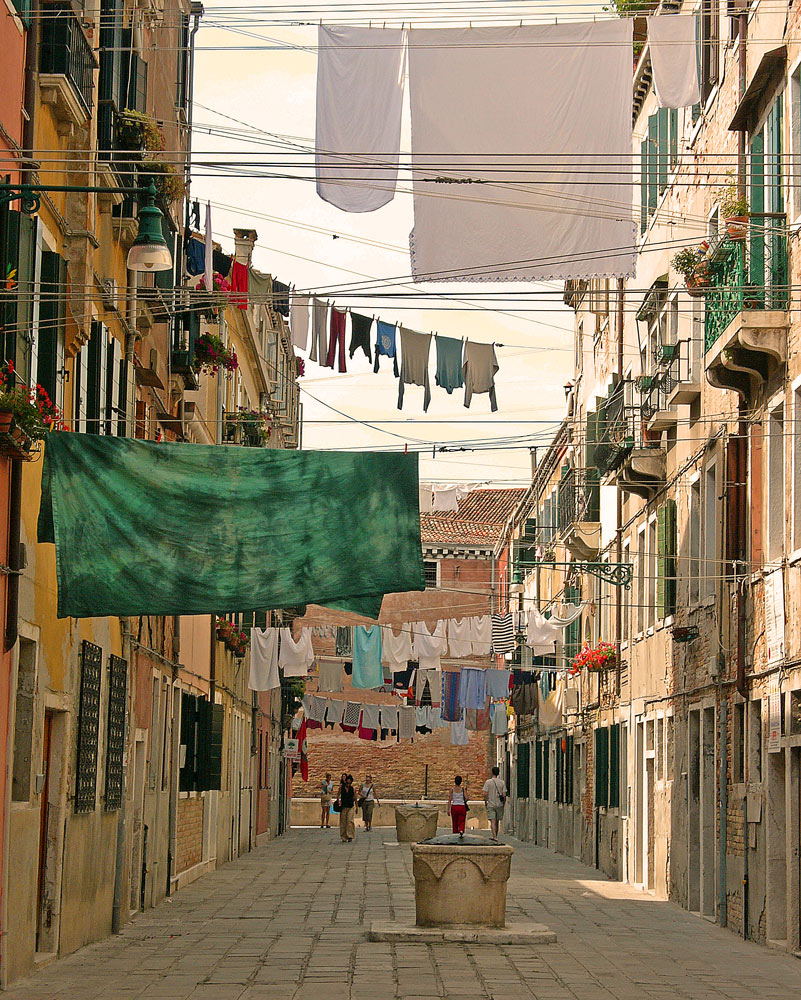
x=579, y=498
x=64, y=50
x=617, y=427
x=747, y=274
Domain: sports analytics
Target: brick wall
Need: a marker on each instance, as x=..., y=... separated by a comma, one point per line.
x=189, y=840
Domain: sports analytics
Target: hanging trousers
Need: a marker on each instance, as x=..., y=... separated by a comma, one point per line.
x=337, y=338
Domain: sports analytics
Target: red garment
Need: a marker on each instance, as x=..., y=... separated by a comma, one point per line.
x=458, y=817
x=348, y=729
x=311, y=724
x=239, y=283
x=337, y=334
x=304, y=751
x=366, y=734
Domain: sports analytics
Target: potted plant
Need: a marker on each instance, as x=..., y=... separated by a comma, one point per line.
x=600, y=657
x=211, y=354
x=735, y=210
x=137, y=132
x=224, y=628
x=694, y=269
x=166, y=179
x=301, y=367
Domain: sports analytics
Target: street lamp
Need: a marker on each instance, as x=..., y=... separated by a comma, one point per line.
x=517, y=586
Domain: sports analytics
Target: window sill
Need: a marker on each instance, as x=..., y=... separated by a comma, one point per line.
x=794, y=558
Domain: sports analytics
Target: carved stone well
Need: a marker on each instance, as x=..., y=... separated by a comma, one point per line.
x=415, y=823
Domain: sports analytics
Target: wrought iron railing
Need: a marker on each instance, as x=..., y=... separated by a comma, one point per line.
x=618, y=427
x=747, y=274
x=65, y=50
x=579, y=497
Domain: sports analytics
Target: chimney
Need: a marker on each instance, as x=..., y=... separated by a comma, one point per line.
x=243, y=244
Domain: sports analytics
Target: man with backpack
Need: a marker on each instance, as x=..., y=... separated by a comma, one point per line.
x=494, y=799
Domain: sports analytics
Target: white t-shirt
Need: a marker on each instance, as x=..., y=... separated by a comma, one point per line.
x=494, y=788
x=367, y=792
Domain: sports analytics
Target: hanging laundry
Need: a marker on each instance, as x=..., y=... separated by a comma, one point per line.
x=498, y=683
x=311, y=724
x=435, y=720
x=674, y=59
x=317, y=708
x=402, y=679
x=460, y=642
x=549, y=702
x=299, y=321
x=239, y=284
x=352, y=714
x=360, y=327
x=365, y=733
x=426, y=499
x=319, y=334
x=221, y=262
x=264, y=660
x=195, y=256
x=451, y=708
x=566, y=615
x=389, y=717
x=432, y=678
x=343, y=644
x=330, y=678
x=421, y=717
x=359, y=105
x=209, y=258
x=396, y=649
x=367, y=671
x=449, y=364
x=446, y=498
x=406, y=720
x=478, y=96
x=481, y=634
x=523, y=698
x=385, y=344
x=541, y=633
x=500, y=720
x=415, y=348
x=295, y=658
x=459, y=735
x=477, y=720
x=473, y=688
x=337, y=339
x=281, y=297
x=370, y=716
x=429, y=646
x=503, y=635
x=335, y=711
x=480, y=366
x=260, y=288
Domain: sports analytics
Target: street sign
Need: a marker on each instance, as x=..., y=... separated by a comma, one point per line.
x=291, y=750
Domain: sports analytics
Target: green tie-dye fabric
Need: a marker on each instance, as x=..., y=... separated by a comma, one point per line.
x=166, y=529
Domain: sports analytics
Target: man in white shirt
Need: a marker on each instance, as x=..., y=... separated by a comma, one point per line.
x=494, y=799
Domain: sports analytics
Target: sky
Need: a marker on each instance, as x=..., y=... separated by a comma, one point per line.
x=258, y=79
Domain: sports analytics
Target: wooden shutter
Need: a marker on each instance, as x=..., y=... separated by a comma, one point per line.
x=614, y=767
x=52, y=316
x=757, y=200
x=112, y=383
x=653, y=165
x=601, y=767
x=673, y=136
x=209, y=742
x=23, y=9
x=546, y=770
x=569, y=770
x=644, y=213
x=95, y=378
x=755, y=504
x=666, y=559
x=186, y=774
x=523, y=769
x=662, y=125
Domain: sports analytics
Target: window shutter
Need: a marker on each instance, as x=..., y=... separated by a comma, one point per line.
x=51, y=320
x=644, y=185
x=546, y=770
x=601, y=767
x=614, y=767
x=96, y=372
x=696, y=108
x=662, y=125
x=671, y=541
x=569, y=770
x=560, y=772
x=209, y=742
x=653, y=163
x=661, y=561
x=757, y=200
x=186, y=775
x=673, y=130
x=523, y=769
x=23, y=8
x=537, y=771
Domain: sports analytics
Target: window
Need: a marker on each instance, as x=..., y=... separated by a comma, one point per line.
x=16, y=311
x=88, y=727
x=796, y=458
x=624, y=770
x=431, y=568
x=51, y=325
x=23, y=721
x=626, y=610
x=669, y=748
x=767, y=250
x=694, y=547
x=795, y=139
x=775, y=484
x=666, y=560
x=564, y=769
x=201, y=744
x=711, y=567
x=115, y=732
x=738, y=740
x=23, y=8
x=523, y=769
x=652, y=566
x=614, y=767
x=602, y=767
x=710, y=47
x=658, y=156
x=642, y=589
x=755, y=740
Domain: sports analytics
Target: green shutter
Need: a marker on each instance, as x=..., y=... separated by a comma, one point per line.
x=601, y=767
x=696, y=110
x=757, y=200
x=674, y=136
x=644, y=185
x=537, y=771
x=653, y=163
x=52, y=309
x=186, y=774
x=23, y=8
x=560, y=772
x=546, y=770
x=523, y=769
x=209, y=742
x=614, y=767
x=95, y=364
x=569, y=770
x=662, y=123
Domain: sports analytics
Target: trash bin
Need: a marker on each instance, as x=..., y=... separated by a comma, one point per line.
x=415, y=823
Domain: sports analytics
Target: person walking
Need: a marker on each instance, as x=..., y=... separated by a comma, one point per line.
x=347, y=810
x=326, y=793
x=495, y=799
x=457, y=805
x=367, y=800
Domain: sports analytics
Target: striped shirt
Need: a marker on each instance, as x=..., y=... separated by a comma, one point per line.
x=503, y=634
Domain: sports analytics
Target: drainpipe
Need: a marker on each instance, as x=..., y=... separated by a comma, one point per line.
x=172, y=810
x=619, y=496
x=743, y=73
x=14, y=561
x=723, y=790
x=119, y=858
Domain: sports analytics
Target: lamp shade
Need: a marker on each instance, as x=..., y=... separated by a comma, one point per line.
x=516, y=588
x=149, y=251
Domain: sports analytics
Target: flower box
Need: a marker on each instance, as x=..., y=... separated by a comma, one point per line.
x=600, y=657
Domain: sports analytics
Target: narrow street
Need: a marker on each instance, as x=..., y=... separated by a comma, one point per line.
x=290, y=921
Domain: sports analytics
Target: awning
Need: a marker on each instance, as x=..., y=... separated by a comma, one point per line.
x=772, y=63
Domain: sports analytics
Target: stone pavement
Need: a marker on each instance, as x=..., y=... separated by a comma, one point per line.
x=288, y=922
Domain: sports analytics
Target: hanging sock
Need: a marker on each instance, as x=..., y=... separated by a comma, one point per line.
x=415, y=348
x=480, y=366
x=337, y=339
x=385, y=343
x=360, y=327
x=319, y=337
x=359, y=107
x=674, y=60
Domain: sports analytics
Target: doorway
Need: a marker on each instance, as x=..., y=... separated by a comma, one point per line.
x=776, y=869
x=137, y=823
x=49, y=789
x=639, y=805
x=708, y=800
x=694, y=811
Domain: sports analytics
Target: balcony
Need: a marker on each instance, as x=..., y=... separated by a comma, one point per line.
x=625, y=446
x=579, y=512
x=657, y=414
x=747, y=317
x=681, y=373
x=66, y=67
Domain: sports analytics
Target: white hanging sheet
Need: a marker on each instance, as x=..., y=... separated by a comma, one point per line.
x=460, y=642
x=396, y=650
x=264, y=660
x=674, y=59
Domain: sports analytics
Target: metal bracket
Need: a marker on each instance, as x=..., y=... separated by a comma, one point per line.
x=618, y=574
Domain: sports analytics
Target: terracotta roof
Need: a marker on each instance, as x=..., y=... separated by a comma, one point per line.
x=481, y=516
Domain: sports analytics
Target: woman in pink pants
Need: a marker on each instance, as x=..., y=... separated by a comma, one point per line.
x=457, y=805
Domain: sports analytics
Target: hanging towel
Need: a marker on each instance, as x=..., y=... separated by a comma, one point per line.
x=330, y=675
x=195, y=256
x=480, y=366
x=503, y=634
x=239, y=283
x=446, y=498
x=221, y=262
x=396, y=649
x=319, y=334
x=498, y=683
x=426, y=499
x=518, y=101
x=264, y=660
x=337, y=339
x=370, y=716
x=459, y=735
x=343, y=644
x=389, y=717
x=366, y=733
x=434, y=680
x=299, y=321
x=449, y=364
x=415, y=348
x=473, y=689
x=385, y=344
x=352, y=714
x=451, y=708
x=481, y=634
x=406, y=721
x=367, y=671
x=674, y=59
x=360, y=327
x=281, y=297
x=421, y=717
x=295, y=658
x=317, y=708
x=335, y=711
x=566, y=616
x=500, y=720
x=428, y=646
x=477, y=720
x=359, y=105
x=459, y=637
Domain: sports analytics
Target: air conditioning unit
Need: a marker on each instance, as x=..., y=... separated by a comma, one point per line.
x=109, y=292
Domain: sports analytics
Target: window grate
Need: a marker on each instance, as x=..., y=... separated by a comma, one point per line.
x=88, y=726
x=431, y=573
x=115, y=736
